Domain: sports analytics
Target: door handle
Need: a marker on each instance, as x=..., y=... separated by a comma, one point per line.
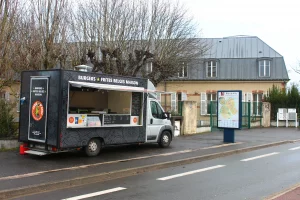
x=151, y=121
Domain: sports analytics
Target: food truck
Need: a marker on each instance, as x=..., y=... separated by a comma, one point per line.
x=63, y=110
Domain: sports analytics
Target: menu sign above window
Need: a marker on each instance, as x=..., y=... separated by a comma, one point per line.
x=109, y=80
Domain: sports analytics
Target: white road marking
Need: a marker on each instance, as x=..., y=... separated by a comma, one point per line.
x=96, y=193
x=223, y=145
x=298, y=140
x=90, y=165
x=189, y=173
x=18, y=176
x=262, y=156
x=295, y=148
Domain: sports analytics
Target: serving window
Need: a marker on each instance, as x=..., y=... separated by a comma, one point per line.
x=98, y=105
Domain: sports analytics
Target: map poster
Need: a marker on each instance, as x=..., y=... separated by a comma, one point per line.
x=229, y=109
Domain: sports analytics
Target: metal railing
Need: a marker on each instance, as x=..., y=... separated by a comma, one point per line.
x=251, y=112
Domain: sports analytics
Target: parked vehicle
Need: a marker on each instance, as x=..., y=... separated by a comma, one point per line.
x=62, y=110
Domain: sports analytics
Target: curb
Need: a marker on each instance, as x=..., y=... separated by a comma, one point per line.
x=282, y=193
x=47, y=187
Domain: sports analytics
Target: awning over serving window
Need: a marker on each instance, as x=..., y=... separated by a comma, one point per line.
x=107, y=86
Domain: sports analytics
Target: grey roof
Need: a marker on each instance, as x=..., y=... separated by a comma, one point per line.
x=238, y=69
x=239, y=47
x=237, y=60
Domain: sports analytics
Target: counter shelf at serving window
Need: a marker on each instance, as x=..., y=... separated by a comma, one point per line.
x=101, y=120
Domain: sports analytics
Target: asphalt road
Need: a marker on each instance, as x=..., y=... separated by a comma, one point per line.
x=253, y=175
x=14, y=164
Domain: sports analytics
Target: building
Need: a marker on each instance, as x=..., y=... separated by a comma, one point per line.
x=11, y=94
x=232, y=63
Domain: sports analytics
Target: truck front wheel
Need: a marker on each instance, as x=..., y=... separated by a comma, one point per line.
x=93, y=147
x=165, y=139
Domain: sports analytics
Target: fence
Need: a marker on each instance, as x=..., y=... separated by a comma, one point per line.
x=251, y=112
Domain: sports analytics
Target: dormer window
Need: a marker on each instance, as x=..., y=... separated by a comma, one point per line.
x=211, y=69
x=264, y=68
x=183, y=70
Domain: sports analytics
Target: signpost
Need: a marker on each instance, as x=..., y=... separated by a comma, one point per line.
x=229, y=113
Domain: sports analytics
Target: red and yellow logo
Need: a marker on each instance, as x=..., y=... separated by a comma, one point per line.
x=37, y=110
x=71, y=119
x=135, y=120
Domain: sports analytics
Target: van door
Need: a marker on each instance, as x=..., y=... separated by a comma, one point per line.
x=154, y=121
x=38, y=105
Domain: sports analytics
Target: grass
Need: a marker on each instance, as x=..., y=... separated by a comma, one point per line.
x=8, y=149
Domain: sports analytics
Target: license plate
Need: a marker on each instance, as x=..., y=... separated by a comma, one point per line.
x=39, y=146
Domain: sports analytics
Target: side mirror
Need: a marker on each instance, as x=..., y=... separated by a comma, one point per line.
x=166, y=115
x=22, y=100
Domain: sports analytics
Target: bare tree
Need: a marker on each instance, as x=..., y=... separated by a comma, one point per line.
x=49, y=22
x=120, y=37
x=116, y=36
x=8, y=18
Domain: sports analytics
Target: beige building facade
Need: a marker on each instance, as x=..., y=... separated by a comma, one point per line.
x=11, y=94
x=232, y=63
x=203, y=92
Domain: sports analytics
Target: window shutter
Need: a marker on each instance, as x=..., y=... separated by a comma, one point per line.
x=206, y=68
x=244, y=104
x=183, y=96
x=173, y=102
x=216, y=69
x=7, y=96
x=18, y=102
x=158, y=97
x=250, y=99
x=265, y=94
x=203, y=106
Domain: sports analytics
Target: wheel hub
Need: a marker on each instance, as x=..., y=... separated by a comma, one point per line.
x=166, y=139
x=93, y=146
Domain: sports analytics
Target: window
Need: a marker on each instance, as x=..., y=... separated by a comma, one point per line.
x=257, y=103
x=4, y=95
x=211, y=68
x=208, y=103
x=211, y=103
x=183, y=70
x=264, y=68
x=156, y=110
x=100, y=105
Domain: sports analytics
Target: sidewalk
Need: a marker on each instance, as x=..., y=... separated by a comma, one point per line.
x=289, y=194
x=24, y=171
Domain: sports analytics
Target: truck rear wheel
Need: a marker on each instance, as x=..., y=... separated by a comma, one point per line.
x=165, y=139
x=93, y=147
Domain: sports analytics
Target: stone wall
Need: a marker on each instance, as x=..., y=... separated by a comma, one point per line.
x=266, y=113
x=189, y=112
x=8, y=144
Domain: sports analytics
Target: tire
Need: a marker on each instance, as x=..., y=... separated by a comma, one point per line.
x=93, y=147
x=165, y=139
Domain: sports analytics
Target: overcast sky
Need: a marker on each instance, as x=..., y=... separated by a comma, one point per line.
x=276, y=22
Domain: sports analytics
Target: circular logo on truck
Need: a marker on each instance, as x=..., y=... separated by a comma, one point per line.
x=135, y=120
x=71, y=120
x=37, y=110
